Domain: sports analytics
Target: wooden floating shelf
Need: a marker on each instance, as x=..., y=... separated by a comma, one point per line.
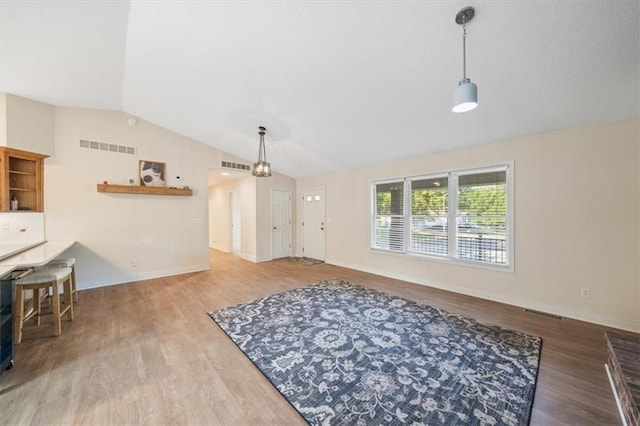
x=144, y=190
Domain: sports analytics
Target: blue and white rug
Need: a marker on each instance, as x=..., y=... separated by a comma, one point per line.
x=342, y=354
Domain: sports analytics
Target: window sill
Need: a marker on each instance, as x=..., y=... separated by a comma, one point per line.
x=445, y=260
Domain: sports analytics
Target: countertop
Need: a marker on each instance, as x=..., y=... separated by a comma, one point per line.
x=35, y=256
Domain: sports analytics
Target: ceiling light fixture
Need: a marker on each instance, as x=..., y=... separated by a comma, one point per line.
x=465, y=97
x=262, y=168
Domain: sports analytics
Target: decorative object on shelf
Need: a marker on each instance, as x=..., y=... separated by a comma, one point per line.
x=152, y=173
x=14, y=203
x=465, y=97
x=262, y=168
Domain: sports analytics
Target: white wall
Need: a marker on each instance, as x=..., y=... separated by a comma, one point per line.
x=26, y=124
x=577, y=225
x=255, y=196
x=164, y=234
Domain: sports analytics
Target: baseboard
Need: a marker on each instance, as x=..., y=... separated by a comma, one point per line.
x=628, y=324
x=123, y=279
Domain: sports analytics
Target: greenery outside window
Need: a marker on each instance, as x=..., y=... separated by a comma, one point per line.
x=412, y=215
x=388, y=227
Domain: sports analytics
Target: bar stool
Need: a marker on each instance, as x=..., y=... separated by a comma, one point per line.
x=49, y=278
x=65, y=263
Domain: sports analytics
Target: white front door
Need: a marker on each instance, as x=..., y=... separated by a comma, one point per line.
x=281, y=223
x=313, y=224
x=236, y=223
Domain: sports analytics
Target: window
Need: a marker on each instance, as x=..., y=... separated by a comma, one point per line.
x=389, y=216
x=429, y=215
x=412, y=215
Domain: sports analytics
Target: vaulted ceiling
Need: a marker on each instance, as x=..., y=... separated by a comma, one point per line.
x=338, y=84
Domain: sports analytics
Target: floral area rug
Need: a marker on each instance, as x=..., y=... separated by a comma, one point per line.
x=342, y=354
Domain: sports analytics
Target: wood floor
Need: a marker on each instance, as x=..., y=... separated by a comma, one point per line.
x=148, y=353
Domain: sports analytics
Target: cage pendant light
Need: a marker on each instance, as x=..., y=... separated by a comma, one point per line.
x=465, y=97
x=261, y=168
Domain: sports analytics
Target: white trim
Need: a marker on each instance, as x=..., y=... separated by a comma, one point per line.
x=128, y=278
x=452, y=210
x=629, y=324
x=444, y=259
x=511, y=213
x=250, y=258
x=406, y=219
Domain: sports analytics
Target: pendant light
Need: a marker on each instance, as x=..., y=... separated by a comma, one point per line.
x=465, y=97
x=261, y=168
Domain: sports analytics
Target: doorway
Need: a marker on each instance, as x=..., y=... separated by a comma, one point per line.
x=236, y=222
x=313, y=224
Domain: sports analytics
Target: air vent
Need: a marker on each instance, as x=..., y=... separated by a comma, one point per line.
x=237, y=166
x=545, y=314
x=109, y=147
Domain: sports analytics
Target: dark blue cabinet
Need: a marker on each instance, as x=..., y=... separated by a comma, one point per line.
x=6, y=322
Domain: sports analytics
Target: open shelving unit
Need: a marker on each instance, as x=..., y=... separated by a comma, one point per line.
x=22, y=179
x=143, y=190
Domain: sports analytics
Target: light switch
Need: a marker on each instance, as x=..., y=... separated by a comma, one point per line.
x=4, y=225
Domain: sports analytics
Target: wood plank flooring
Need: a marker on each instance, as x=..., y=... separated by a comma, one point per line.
x=148, y=353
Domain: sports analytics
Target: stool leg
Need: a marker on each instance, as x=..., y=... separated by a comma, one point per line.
x=18, y=315
x=73, y=283
x=37, y=304
x=68, y=296
x=57, y=326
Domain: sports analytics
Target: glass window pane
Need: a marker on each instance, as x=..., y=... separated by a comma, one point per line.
x=482, y=217
x=429, y=210
x=389, y=218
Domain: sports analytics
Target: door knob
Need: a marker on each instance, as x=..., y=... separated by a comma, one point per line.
x=275, y=227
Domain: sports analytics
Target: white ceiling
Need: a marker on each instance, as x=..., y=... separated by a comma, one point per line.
x=337, y=84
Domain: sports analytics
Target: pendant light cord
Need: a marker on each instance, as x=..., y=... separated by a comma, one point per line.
x=262, y=151
x=464, y=48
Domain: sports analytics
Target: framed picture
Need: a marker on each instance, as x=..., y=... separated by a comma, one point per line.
x=152, y=173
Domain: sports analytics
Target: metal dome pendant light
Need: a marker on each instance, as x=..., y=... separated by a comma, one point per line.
x=465, y=97
x=261, y=168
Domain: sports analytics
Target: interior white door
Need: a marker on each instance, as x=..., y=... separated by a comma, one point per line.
x=313, y=224
x=281, y=223
x=236, y=222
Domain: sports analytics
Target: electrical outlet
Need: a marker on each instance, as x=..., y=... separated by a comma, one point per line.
x=134, y=263
x=586, y=293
